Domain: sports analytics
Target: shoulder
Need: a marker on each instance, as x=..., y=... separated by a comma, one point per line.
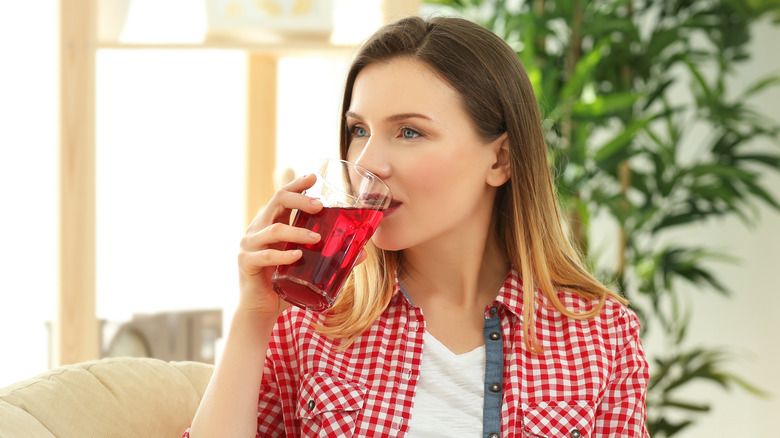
x=612, y=311
x=294, y=327
x=295, y=316
x=615, y=323
x=294, y=322
x=297, y=320
x=298, y=331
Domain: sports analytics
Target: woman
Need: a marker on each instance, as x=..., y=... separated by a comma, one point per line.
x=471, y=314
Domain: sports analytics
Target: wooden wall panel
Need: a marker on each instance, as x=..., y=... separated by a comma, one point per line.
x=75, y=335
x=261, y=132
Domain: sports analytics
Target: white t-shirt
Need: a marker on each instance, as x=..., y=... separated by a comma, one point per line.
x=450, y=392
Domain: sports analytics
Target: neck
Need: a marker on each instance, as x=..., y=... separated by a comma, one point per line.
x=464, y=270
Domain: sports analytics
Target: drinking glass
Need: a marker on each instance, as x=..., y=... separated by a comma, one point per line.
x=354, y=201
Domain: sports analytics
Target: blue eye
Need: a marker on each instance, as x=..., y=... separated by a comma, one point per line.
x=357, y=131
x=409, y=133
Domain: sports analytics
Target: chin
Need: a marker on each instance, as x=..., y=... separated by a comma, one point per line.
x=385, y=242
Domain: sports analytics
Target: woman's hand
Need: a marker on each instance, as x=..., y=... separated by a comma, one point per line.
x=262, y=248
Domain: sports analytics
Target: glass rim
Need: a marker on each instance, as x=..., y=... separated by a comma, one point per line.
x=374, y=176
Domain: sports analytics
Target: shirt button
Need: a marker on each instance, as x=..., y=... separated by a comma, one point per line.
x=575, y=433
x=310, y=406
x=495, y=336
x=495, y=387
x=493, y=435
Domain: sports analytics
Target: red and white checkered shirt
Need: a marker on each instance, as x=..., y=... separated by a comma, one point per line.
x=590, y=380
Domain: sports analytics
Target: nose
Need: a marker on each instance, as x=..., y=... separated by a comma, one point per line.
x=373, y=158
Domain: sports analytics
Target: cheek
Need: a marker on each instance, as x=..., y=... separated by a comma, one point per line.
x=448, y=173
x=429, y=176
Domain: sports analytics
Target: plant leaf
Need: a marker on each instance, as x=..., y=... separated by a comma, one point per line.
x=604, y=105
x=621, y=141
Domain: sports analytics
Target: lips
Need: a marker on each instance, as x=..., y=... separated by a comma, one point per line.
x=392, y=207
x=372, y=200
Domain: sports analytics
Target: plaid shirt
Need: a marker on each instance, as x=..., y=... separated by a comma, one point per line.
x=590, y=380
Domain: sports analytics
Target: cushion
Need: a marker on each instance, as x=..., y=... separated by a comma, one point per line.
x=115, y=397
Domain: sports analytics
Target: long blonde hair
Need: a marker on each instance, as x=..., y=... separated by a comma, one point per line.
x=498, y=96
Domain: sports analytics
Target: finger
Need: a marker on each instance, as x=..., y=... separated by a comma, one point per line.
x=286, y=201
x=279, y=210
x=300, y=184
x=279, y=207
x=252, y=262
x=278, y=233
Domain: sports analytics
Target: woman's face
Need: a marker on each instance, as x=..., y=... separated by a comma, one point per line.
x=409, y=127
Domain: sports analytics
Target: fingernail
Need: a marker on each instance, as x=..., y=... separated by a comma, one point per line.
x=315, y=201
x=314, y=235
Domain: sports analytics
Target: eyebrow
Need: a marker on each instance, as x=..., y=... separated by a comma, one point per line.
x=394, y=117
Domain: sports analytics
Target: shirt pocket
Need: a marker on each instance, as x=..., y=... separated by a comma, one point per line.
x=329, y=406
x=567, y=419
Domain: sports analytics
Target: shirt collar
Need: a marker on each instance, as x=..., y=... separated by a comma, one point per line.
x=510, y=295
x=400, y=294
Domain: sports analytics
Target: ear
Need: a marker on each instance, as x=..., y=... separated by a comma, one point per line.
x=501, y=170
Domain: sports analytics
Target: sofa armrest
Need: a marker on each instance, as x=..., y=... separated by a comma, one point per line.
x=117, y=397
x=16, y=422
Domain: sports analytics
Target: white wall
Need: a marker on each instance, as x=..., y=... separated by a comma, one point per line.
x=28, y=190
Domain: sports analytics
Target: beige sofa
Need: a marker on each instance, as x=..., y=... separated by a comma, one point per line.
x=116, y=397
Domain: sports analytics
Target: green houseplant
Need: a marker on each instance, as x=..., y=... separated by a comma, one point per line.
x=622, y=84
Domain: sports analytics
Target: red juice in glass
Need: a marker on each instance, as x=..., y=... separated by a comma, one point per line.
x=314, y=281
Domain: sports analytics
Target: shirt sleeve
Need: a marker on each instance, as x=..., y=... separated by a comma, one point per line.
x=622, y=410
x=270, y=416
x=279, y=386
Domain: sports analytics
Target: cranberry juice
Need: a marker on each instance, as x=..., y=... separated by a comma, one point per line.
x=313, y=282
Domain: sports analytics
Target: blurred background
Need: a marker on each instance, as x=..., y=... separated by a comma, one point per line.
x=138, y=138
